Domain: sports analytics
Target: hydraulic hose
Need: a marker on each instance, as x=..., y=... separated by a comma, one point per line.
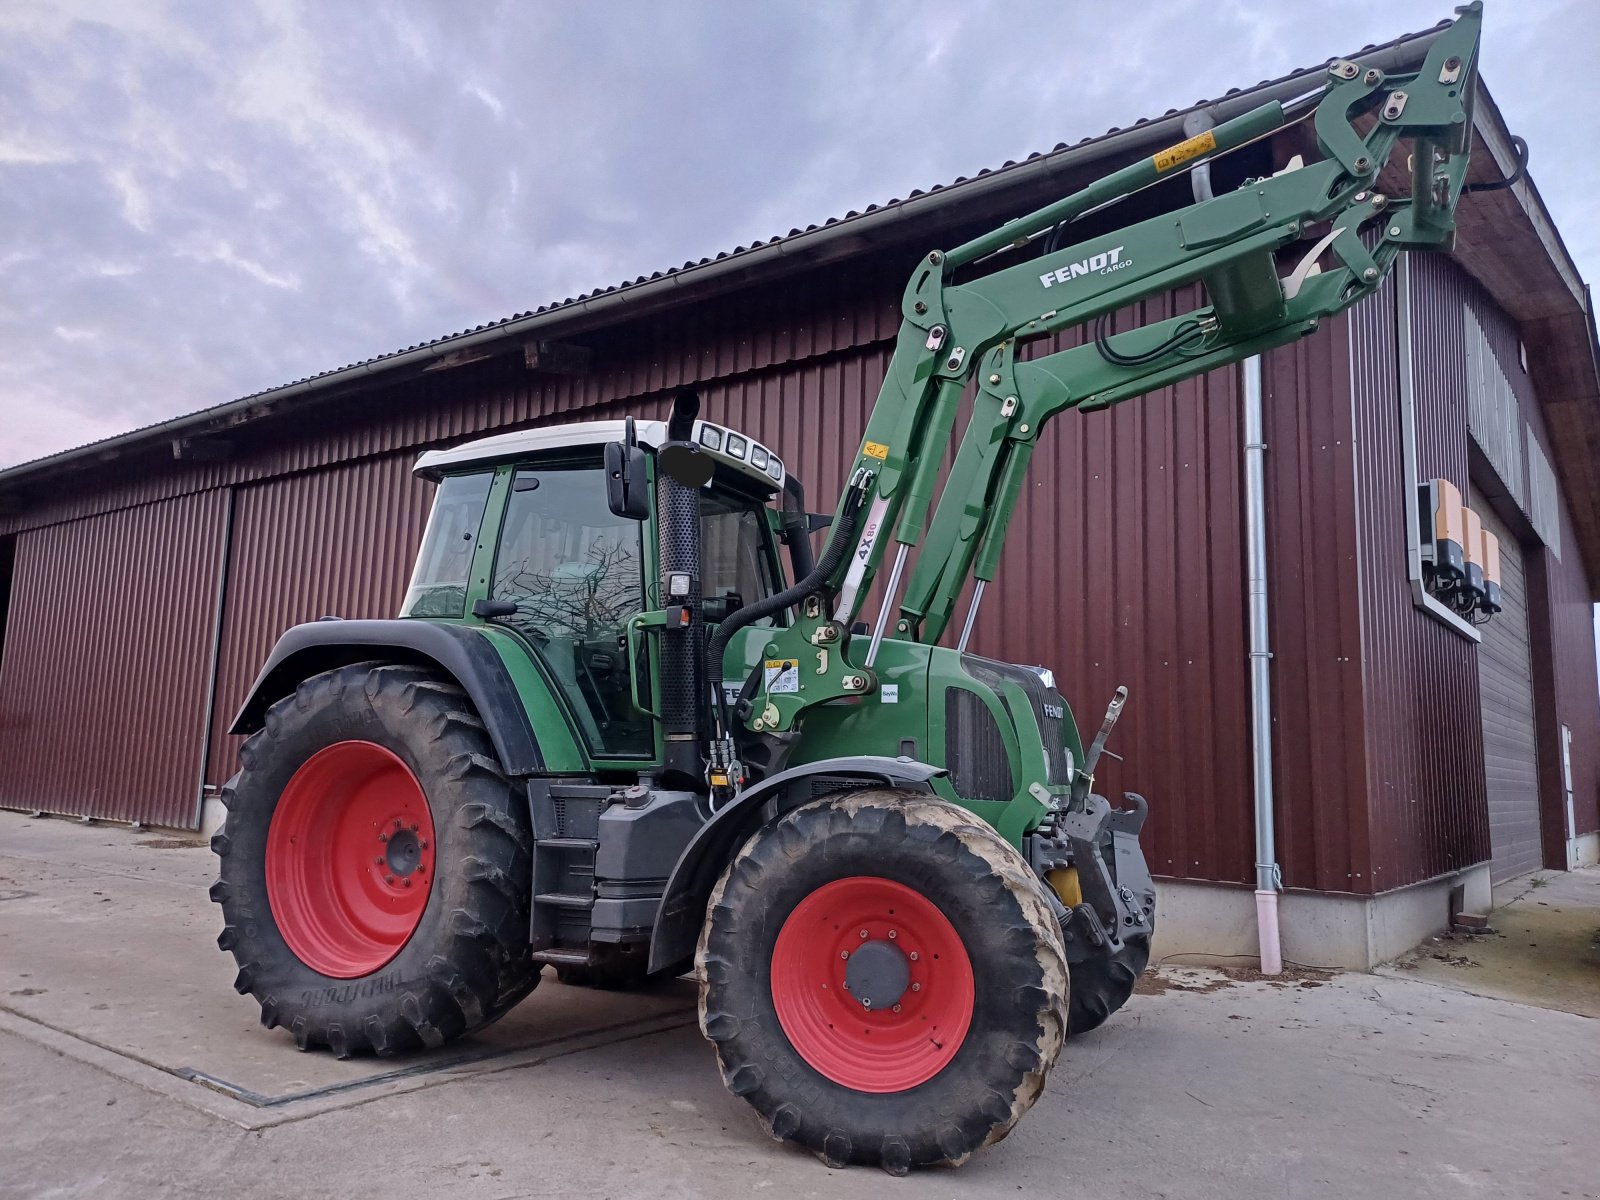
x=839, y=544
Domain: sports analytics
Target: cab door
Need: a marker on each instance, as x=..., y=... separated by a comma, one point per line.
x=575, y=572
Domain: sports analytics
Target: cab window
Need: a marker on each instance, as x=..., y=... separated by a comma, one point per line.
x=736, y=566
x=439, y=583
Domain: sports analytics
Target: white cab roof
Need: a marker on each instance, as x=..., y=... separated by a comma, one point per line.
x=728, y=447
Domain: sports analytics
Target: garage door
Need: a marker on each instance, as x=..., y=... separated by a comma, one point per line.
x=108, y=661
x=1505, y=675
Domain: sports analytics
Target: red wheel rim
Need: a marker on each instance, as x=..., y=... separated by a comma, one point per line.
x=350, y=854
x=900, y=1043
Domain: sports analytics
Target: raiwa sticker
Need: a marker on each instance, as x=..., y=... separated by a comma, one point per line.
x=1184, y=151
x=875, y=450
x=782, y=675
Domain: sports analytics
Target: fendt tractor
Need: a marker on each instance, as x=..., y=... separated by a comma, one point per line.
x=607, y=734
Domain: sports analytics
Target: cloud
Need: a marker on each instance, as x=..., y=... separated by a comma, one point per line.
x=198, y=201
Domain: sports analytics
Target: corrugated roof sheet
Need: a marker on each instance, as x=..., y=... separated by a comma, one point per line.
x=444, y=342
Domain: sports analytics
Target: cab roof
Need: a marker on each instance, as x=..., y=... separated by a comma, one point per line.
x=727, y=447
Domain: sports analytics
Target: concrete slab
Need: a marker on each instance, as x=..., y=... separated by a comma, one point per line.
x=108, y=937
x=1360, y=1088
x=1208, y=1085
x=1543, y=947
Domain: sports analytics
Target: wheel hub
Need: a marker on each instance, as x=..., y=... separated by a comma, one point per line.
x=877, y=975
x=350, y=859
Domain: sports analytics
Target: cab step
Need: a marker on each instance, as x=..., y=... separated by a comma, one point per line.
x=565, y=899
x=562, y=957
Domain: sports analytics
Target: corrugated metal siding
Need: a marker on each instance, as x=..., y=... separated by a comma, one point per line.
x=1424, y=776
x=1505, y=674
x=107, y=661
x=334, y=542
x=1560, y=613
x=1319, y=769
x=1562, y=586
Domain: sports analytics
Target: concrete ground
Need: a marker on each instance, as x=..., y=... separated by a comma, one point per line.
x=1542, y=946
x=131, y=1068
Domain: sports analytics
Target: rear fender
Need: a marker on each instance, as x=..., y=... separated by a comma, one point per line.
x=683, y=905
x=458, y=651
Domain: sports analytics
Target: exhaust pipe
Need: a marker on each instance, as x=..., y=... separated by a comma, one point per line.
x=683, y=641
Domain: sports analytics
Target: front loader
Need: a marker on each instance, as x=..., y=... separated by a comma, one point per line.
x=628, y=723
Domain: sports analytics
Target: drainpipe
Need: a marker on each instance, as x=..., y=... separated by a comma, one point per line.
x=1268, y=880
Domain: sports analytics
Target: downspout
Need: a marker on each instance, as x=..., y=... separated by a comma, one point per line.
x=1268, y=881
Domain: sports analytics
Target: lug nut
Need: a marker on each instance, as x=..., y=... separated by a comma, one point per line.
x=407, y=883
x=916, y=987
x=913, y=956
x=388, y=878
x=379, y=860
x=896, y=1008
x=892, y=933
x=422, y=845
x=398, y=824
x=383, y=837
x=863, y=935
x=414, y=827
x=844, y=954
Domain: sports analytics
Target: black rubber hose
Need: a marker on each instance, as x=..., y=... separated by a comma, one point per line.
x=839, y=544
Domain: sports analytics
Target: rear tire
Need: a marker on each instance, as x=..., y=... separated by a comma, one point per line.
x=960, y=949
x=351, y=925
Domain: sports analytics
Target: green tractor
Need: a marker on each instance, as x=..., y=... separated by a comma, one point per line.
x=627, y=725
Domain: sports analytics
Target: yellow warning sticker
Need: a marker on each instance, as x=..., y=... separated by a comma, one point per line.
x=875, y=450
x=782, y=675
x=1181, y=153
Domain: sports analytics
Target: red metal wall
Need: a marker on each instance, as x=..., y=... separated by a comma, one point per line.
x=1426, y=798
x=1561, y=615
x=108, y=660
x=338, y=542
x=1319, y=764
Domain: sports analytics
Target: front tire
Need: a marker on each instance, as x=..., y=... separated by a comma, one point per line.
x=376, y=865
x=883, y=980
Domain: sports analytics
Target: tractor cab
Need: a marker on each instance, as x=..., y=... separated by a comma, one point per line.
x=525, y=535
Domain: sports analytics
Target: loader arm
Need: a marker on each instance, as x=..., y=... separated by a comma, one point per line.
x=1275, y=257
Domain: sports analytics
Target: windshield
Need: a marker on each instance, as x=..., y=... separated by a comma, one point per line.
x=439, y=584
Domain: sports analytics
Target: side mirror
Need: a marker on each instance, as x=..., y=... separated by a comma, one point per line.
x=627, y=483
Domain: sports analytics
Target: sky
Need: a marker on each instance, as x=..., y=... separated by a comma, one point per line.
x=199, y=200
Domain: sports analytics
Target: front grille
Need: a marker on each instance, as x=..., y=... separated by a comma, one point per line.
x=975, y=751
x=1041, y=701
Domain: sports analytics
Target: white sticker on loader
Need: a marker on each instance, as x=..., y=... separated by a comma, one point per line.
x=782, y=675
x=889, y=693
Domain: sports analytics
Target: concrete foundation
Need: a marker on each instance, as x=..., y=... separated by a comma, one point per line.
x=1583, y=851
x=1202, y=922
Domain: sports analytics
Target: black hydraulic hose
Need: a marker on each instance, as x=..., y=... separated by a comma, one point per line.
x=839, y=544
x=1187, y=332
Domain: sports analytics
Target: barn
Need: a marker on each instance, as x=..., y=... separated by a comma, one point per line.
x=1409, y=758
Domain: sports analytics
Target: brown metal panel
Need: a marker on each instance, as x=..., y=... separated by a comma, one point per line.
x=1315, y=627
x=1425, y=759
x=108, y=650
x=338, y=541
